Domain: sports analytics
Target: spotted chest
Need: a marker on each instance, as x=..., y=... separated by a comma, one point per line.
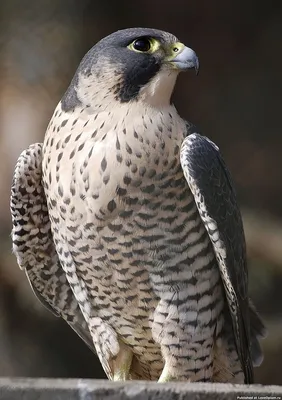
x=114, y=182
x=102, y=159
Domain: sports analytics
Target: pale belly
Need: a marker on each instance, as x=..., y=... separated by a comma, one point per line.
x=149, y=271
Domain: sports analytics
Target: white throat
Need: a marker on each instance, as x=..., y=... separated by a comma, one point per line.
x=158, y=91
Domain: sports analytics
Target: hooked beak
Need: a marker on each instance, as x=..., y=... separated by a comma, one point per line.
x=183, y=58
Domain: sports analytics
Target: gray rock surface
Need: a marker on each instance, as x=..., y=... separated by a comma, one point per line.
x=80, y=389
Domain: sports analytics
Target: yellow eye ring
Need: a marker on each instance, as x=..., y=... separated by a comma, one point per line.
x=144, y=45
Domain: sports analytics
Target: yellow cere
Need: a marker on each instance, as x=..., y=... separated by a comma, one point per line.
x=174, y=50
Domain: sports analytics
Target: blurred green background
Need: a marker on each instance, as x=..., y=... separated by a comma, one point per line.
x=236, y=101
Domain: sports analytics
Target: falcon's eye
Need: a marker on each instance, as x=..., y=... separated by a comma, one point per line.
x=144, y=45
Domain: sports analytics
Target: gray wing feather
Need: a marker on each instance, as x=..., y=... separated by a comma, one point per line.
x=211, y=185
x=33, y=244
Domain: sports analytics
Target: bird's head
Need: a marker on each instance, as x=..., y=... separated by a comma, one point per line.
x=130, y=65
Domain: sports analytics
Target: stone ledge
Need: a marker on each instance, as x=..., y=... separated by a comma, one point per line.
x=80, y=389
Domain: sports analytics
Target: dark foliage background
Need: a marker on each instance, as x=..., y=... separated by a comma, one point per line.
x=236, y=101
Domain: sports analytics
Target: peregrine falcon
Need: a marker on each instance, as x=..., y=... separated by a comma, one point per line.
x=127, y=224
